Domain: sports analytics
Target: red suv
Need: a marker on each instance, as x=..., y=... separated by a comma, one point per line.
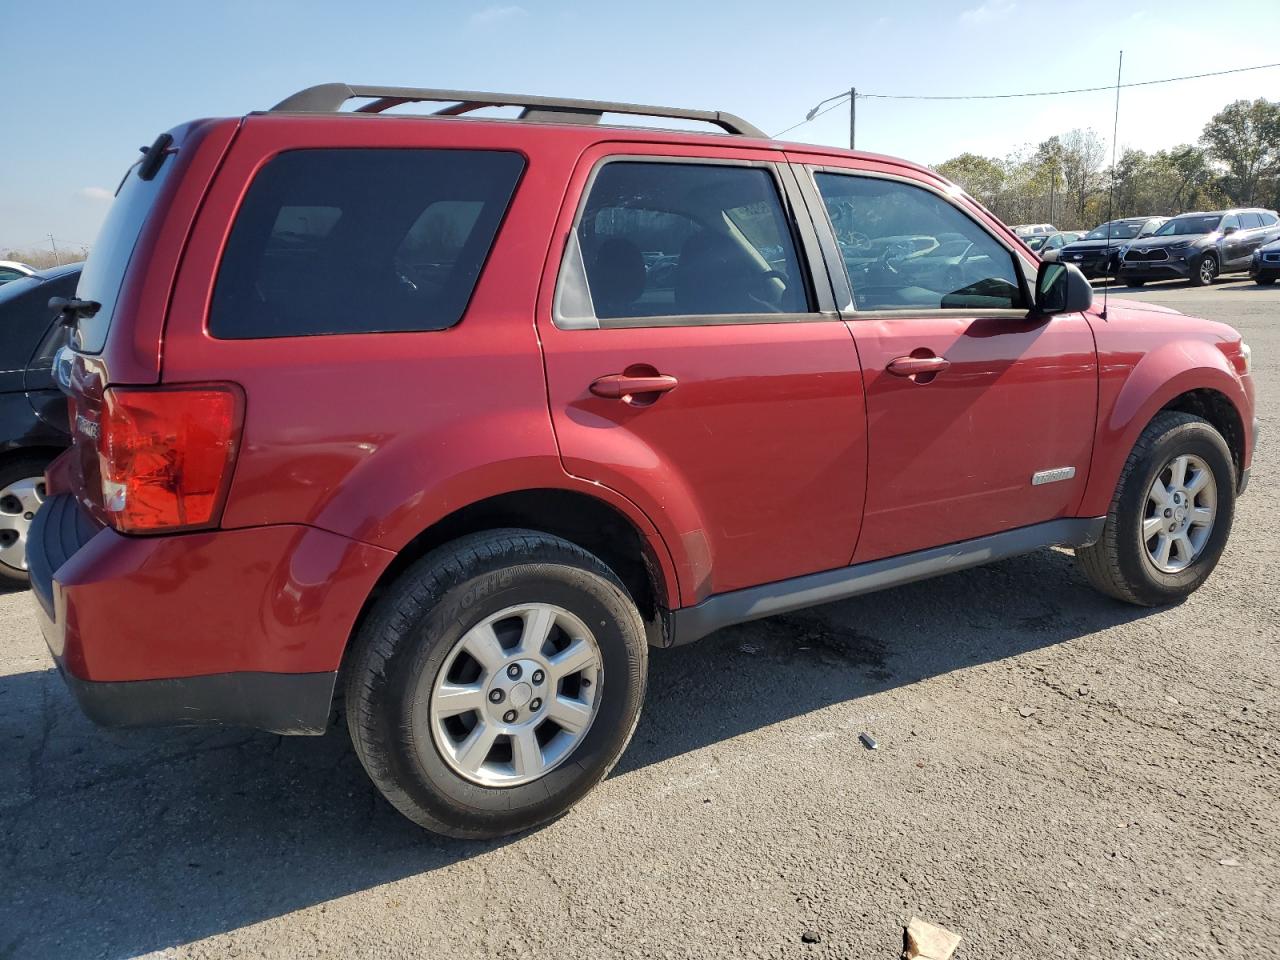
x=458, y=415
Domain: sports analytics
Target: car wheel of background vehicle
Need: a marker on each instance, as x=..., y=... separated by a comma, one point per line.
x=1171, y=515
x=1131, y=283
x=496, y=682
x=21, y=494
x=1205, y=271
x=1264, y=281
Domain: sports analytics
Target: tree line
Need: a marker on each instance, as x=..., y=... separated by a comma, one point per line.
x=1065, y=180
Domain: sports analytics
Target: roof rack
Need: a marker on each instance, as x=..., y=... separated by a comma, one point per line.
x=330, y=98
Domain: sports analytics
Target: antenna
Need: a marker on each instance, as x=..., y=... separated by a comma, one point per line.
x=1111, y=196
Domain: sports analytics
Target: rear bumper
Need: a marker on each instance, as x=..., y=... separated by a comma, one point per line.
x=244, y=627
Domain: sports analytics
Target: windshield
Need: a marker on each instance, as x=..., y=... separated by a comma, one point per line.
x=1035, y=243
x=1119, y=230
x=1189, y=226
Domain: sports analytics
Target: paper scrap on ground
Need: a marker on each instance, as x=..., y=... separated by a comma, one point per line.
x=925, y=941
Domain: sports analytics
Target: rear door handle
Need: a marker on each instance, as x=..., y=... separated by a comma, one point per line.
x=911, y=366
x=622, y=386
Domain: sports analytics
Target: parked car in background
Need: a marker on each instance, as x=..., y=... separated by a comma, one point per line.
x=13, y=270
x=1047, y=245
x=1034, y=229
x=33, y=411
x=394, y=404
x=1264, y=266
x=1097, y=253
x=1199, y=246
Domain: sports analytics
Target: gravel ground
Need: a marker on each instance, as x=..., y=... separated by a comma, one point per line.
x=1058, y=775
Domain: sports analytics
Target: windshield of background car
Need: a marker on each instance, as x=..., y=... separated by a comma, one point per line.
x=1119, y=230
x=1188, y=226
x=1035, y=243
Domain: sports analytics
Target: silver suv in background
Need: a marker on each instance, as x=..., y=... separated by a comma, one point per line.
x=1199, y=246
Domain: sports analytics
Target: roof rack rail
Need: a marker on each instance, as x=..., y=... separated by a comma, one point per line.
x=330, y=98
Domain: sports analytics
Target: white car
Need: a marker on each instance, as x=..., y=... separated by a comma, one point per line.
x=1034, y=229
x=12, y=270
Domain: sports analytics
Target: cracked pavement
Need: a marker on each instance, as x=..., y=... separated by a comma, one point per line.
x=1058, y=775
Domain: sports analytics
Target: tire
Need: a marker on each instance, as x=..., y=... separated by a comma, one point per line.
x=1119, y=564
x=416, y=634
x=21, y=493
x=1131, y=283
x=1264, y=281
x=1205, y=271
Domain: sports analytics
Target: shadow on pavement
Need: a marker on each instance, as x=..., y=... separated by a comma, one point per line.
x=120, y=843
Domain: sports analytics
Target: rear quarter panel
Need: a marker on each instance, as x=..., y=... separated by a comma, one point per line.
x=378, y=436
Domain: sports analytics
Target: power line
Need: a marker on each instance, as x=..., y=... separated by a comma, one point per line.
x=843, y=97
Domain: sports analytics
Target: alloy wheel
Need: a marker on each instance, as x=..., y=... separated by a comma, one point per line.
x=516, y=695
x=19, y=502
x=1180, y=510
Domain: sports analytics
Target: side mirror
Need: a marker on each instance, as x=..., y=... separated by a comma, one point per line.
x=1228, y=231
x=1062, y=288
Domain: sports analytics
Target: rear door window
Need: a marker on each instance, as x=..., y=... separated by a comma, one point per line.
x=661, y=243
x=334, y=241
x=1250, y=221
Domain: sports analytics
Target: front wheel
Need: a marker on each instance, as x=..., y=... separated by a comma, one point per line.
x=1170, y=517
x=1205, y=271
x=495, y=683
x=1264, y=281
x=1131, y=282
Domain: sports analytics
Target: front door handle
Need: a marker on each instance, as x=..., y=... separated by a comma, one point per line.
x=624, y=386
x=913, y=366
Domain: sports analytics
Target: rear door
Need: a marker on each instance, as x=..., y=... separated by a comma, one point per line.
x=694, y=366
x=980, y=416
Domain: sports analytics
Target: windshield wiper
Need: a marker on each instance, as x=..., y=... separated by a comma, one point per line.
x=69, y=309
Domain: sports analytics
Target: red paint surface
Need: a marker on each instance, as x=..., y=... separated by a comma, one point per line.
x=755, y=468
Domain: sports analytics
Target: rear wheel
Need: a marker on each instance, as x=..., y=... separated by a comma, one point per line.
x=21, y=494
x=1205, y=271
x=1131, y=283
x=1264, y=281
x=496, y=683
x=1171, y=515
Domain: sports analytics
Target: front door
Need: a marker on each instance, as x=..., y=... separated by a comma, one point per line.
x=692, y=368
x=980, y=416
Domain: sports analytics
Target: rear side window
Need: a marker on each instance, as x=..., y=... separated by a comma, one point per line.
x=361, y=241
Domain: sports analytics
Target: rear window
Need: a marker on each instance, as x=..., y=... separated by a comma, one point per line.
x=361, y=241
x=105, y=269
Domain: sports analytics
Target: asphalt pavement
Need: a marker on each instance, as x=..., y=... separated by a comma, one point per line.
x=1057, y=775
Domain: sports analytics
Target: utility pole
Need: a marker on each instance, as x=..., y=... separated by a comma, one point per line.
x=53, y=244
x=853, y=118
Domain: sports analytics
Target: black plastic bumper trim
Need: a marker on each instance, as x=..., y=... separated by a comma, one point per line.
x=753, y=603
x=285, y=703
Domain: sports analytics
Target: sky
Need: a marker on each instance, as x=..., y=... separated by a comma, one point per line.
x=87, y=83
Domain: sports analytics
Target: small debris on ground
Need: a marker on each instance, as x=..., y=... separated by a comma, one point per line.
x=868, y=741
x=928, y=941
x=1084, y=690
x=1229, y=862
x=811, y=936
x=1026, y=711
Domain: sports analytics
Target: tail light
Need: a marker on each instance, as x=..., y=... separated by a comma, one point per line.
x=165, y=454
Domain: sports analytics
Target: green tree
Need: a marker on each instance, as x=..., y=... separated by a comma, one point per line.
x=981, y=177
x=1245, y=139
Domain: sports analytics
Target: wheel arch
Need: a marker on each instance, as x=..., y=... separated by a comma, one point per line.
x=1208, y=388
x=621, y=541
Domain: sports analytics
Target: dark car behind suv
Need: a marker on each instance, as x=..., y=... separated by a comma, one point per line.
x=1265, y=265
x=33, y=411
x=1199, y=246
x=1097, y=253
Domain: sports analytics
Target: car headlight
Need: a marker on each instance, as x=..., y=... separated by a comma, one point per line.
x=1257, y=256
x=1247, y=356
x=1180, y=245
